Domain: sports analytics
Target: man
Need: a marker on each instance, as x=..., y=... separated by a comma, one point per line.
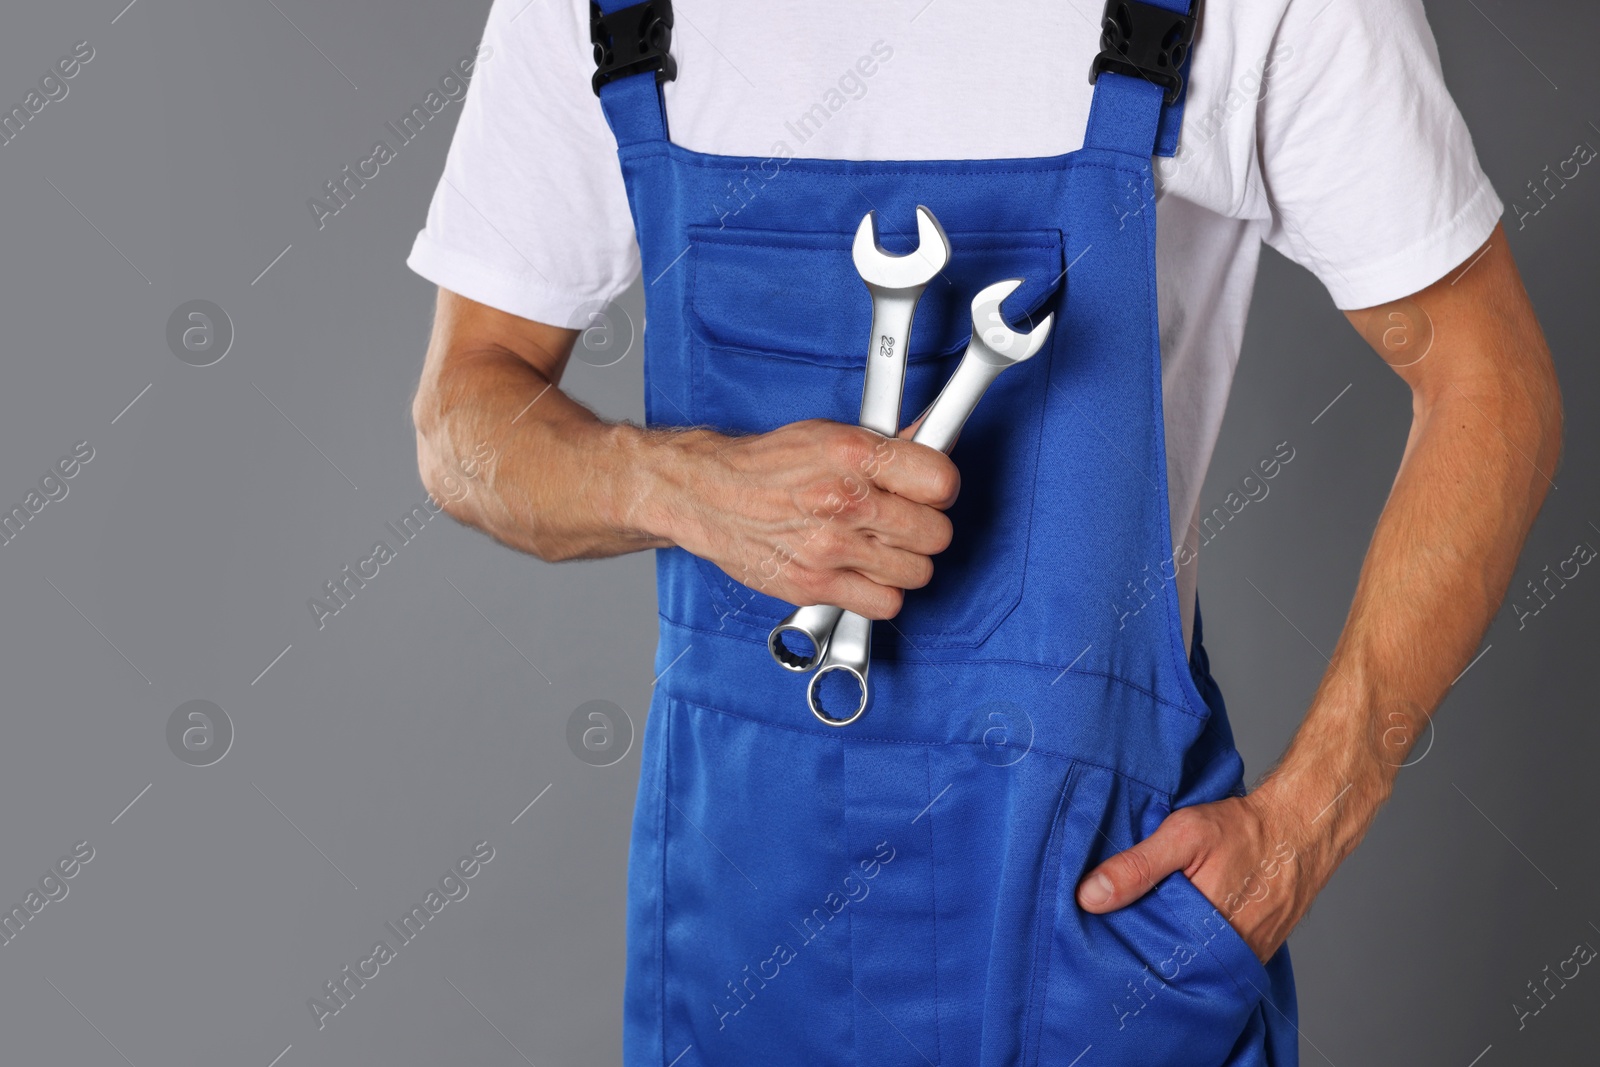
x=887, y=891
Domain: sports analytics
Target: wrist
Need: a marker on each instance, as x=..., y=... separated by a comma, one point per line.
x=653, y=497
x=1323, y=803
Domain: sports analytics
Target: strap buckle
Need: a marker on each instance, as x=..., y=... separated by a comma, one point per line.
x=1145, y=41
x=632, y=40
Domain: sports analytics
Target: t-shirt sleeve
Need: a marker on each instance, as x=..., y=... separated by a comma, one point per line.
x=1370, y=171
x=531, y=216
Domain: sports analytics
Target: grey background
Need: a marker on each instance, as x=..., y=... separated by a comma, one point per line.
x=428, y=714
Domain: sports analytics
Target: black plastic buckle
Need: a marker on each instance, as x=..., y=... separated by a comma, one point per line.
x=1145, y=41
x=632, y=40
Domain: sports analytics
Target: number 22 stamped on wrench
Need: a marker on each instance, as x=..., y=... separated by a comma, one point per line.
x=843, y=640
x=994, y=347
x=896, y=284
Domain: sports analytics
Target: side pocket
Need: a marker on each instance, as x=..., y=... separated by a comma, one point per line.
x=1210, y=930
x=1160, y=982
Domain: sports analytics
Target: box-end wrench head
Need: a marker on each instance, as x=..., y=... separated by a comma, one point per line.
x=896, y=284
x=994, y=347
x=814, y=624
x=849, y=651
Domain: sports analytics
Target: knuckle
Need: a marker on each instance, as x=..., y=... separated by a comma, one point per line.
x=820, y=497
x=1189, y=828
x=1135, y=871
x=829, y=545
x=836, y=498
x=864, y=508
x=884, y=451
x=850, y=447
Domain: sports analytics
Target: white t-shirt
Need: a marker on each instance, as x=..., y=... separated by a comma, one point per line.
x=1322, y=127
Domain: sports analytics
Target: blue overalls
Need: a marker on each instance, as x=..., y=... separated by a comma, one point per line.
x=901, y=891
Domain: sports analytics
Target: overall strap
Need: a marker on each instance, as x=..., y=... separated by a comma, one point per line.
x=632, y=61
x=1141, y=76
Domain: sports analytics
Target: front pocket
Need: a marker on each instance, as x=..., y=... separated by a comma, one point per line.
x=779, y=325
x=1163, y=981
x=1210, y=930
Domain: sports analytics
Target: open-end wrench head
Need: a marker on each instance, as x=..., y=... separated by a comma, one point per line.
x=992, y=339
x=913, y=270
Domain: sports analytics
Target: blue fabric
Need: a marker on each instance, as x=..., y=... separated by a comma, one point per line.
x=901, y=891
x=1171, y=124
x=634, y=109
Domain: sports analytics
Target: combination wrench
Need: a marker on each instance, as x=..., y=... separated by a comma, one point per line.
x=994, y=347
x=896, y=284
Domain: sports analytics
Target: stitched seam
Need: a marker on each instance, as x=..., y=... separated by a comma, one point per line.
x=1244, y=985
x=711, y=346
x=844, y=850
x=1241, y=984
x=1063, y=757
x=933, y=886
x=661, y=900
x=1052, y=859
x=1039, y=408
x=1052, y=164
x=1087, y=672
x=968, y=637
x=1173, y=636
x=844, y=246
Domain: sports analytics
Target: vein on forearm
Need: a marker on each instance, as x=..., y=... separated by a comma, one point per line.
x=1477, y=466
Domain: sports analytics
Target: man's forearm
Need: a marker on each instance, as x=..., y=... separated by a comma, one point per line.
x=814, y=512
x=506, y=451
x=1477, y=465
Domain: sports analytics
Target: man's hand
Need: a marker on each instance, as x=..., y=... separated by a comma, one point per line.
x=1239, y=852
x=1485, y=437
x=812, y=513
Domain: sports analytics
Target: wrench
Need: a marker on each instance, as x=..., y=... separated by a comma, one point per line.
x=896, y=284
x=994, y=347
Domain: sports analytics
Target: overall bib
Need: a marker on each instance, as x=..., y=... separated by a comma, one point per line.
x=901, y=891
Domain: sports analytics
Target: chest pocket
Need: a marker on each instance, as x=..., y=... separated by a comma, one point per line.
x=779, y=325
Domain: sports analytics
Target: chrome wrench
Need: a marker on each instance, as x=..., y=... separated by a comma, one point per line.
x=994, y=347
x=896, y=284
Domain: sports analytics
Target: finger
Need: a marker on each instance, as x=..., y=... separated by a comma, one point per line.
x=914, y=471
x=894, y=567
x=1129, y=875
x=874, y=560
x=911, y=431
x=853, y=592
x=897, y=522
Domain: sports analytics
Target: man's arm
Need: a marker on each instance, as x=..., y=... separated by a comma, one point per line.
x=1485, y=438
x=813, y=513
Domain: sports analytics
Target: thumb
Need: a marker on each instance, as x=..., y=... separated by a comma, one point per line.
x=910, y=429
x=1129, y=875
